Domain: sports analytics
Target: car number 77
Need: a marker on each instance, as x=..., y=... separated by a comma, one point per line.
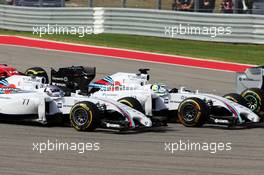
x=25, y=101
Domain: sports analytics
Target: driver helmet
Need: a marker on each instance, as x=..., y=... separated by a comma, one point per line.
x=159, y=89
x=54, y=91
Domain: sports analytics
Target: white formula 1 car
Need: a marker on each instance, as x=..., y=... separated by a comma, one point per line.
x=192, y=108
x=28, y=99
x=154, y=100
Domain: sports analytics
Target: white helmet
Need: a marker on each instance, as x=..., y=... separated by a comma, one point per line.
x=54, y=91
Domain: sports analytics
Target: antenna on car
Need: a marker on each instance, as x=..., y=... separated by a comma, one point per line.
x=143, y=72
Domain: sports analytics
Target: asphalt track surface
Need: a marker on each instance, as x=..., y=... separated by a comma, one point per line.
x=128, y=153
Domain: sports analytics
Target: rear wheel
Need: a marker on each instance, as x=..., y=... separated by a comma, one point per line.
x=132, y=102
x=39, y=72
x=236, y=98
x=254, y=98
x=85, y=116
x=192, y=112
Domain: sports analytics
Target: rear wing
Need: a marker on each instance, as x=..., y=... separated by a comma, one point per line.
x=70, y=79
x=251, y=78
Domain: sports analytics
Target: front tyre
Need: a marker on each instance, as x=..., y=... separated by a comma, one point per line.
x=236, y=98
x=132, y=102
x=85, y=116
x=254, y=98
x=38, y=72
x=192, y=112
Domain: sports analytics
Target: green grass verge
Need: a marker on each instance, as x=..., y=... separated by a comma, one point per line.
x=240, y=53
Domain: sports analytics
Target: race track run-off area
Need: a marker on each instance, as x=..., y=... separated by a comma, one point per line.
x=129, y=153
x=123, y=54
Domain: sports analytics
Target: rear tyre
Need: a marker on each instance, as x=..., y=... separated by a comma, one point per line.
x=236, y=98
x=85, y=116
x=39, y=72
x=132, y=102
x=254, y=98
x=193, y=112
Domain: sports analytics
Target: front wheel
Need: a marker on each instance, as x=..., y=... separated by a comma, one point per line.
x=236, y=98
x=132, y=102
x=254, y=98
x=85, y=116
x=192, y=112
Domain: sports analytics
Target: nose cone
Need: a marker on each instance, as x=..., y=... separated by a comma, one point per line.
x=148, y=123
x=251, y=116
x=255, y=118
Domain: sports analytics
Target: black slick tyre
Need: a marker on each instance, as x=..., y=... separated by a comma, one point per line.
x=254, y=98
x=85, y=116
x=193, y=112
x=39, y=72
x=132, y=102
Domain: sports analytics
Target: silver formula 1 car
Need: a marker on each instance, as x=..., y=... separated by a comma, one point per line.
x=25, y=98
